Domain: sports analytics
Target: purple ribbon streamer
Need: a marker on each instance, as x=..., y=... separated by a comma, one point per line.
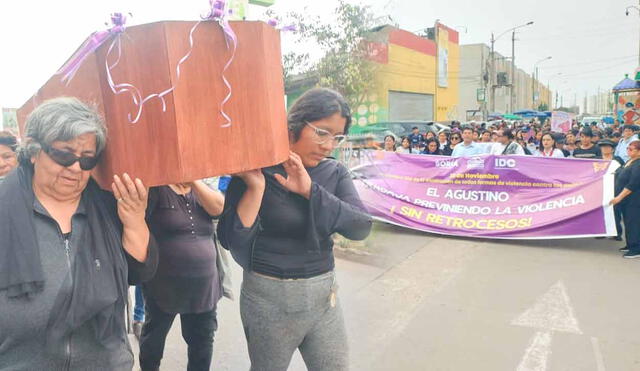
x=274, y=23
x=96, y=39
x=136, y=96
x=218, y=13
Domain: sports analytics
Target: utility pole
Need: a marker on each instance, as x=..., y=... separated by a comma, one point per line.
x=513, y=70
x=627, y=13
x=492, y=78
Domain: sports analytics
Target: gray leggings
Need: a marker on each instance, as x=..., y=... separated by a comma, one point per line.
x=280, y=316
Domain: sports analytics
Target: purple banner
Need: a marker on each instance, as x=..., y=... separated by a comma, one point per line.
x=489, y=196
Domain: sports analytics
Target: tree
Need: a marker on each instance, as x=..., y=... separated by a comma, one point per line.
x=543, y=107
x=344, y=65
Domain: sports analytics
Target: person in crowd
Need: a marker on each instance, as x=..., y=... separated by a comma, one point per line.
x=8, y=158
x=443, y=142
x=416, y=139
x=432, y=148
x=187, y=281
x=607, y=149
x=548, y=147
x=627, y=190
x=560, y=141
x=506, y=144
x=68, y=248
x=587, y=149
x=628, y=135
x=615, y=136
x=429, y=135
x=485, y=137
x=138, y=312
x=494, y=136
x=371, y=143
x=390, y=143
x=536, y=139
x=570, y=143
x=278, y=224
x=468, y=147
x=522, y=143
x=405, y=146
x=597, y=136
x=455, y=139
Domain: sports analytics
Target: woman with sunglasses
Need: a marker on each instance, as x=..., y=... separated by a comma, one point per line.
x=8, y=159
x=278, y=223
x=68, y=248
x=456, y=138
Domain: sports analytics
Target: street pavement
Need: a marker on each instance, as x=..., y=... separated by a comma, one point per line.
x=417, y=301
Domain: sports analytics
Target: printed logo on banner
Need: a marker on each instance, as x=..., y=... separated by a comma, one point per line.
x=600, y=166
x=505, y=163
x=447, y=164
x=475, y=163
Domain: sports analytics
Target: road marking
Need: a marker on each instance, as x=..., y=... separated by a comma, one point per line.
x=536, y=356
x=596, y=351
x=551, y=312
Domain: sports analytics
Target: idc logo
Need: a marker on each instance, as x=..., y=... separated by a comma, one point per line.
x=505, y=163
x=475, y=163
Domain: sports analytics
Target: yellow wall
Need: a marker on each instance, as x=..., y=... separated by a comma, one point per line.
x=407, y=71
x=447, y=98
x=411, y=71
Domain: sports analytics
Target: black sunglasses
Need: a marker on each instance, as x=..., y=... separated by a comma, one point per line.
x=457, y=138
x=66, y=159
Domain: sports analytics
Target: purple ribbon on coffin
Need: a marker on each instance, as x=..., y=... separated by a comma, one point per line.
x=217, y=13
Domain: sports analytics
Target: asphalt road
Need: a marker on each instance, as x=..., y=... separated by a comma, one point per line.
x=415, y=301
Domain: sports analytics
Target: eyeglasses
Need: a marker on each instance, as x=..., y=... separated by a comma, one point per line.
x=323, y=136
x=66, y=159
x=456, y=138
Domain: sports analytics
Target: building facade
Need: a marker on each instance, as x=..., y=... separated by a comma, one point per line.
x=475, y=91
x=416, y=76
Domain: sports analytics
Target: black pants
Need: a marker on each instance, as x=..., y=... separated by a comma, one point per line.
x=197, y=330
x=631, y=217
x=617, y=212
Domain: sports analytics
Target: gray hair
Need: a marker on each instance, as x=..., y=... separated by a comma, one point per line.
x=61, y=119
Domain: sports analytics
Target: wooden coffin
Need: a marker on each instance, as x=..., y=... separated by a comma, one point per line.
x=188, y=140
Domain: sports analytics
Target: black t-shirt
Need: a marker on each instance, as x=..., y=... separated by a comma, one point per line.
x=593, y=152
x=291, y=237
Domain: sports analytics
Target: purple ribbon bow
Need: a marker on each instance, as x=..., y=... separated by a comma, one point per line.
x=94, y=41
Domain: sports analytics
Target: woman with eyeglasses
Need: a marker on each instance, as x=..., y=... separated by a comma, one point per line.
x=68, y=248
x=431, y=148
x=8, y=159
x=278, y=223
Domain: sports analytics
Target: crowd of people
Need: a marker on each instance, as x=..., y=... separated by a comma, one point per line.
x=616, y=143
x=518, y=138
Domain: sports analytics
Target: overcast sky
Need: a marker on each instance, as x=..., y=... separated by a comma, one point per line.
x=592, y=43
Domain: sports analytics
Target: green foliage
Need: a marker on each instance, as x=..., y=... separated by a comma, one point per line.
x=543, y=107
x=344, y=65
